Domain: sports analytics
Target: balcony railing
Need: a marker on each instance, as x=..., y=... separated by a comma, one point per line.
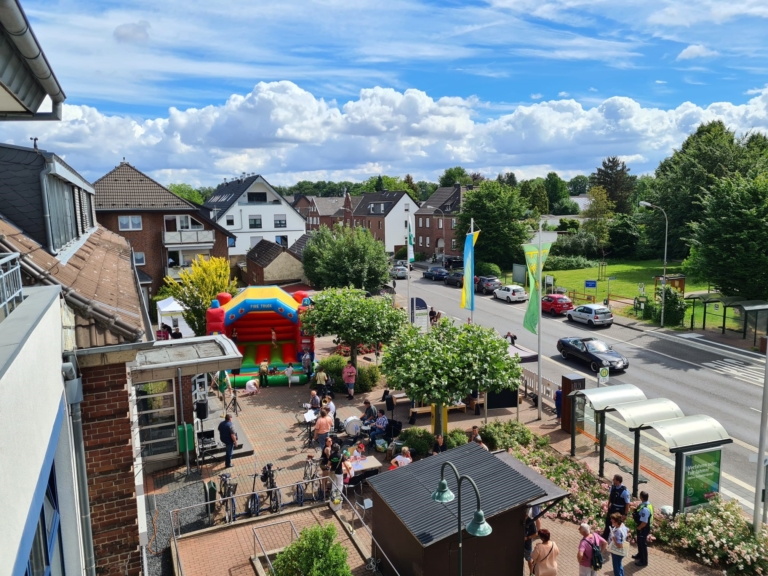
x=10, y=284
x=189, y=237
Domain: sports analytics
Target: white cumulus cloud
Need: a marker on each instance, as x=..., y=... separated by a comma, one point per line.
x=696, y=51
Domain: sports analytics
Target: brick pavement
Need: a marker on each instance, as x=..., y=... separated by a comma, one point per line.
x=269, y=421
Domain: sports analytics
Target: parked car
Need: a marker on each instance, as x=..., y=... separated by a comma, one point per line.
x=592, y=315
x=555, y=304
x=435, y=273
x=511, y=293
x=453, y=262
x=455, y=278
x=487, y=284
x=594, y=352
x=399, y=272
x=405, y=263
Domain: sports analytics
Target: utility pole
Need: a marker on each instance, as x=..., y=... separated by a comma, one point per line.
x=760, y=482
x=472, y=311
x=538, y=326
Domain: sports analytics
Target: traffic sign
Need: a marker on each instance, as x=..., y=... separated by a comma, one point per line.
x=641, y=288
x=602, y=376
x=611, y=277
x=590, y=283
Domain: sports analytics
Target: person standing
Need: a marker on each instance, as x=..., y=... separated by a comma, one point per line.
x=432, y=316
x=222, y=383
x=511, y=337
x=289, y=373
x=531, y=534
x=337, y=467
x=306, y=363
x=323, y=427
x=618, y=502
x=617, y=543
x=349, y=374
x=176, y=334
x=264, y=373
x=543, y=561
x=321, y=377
x=474, y=434
x=643, y=516
x=559, y=404
x=228, y=436
x=589, y=541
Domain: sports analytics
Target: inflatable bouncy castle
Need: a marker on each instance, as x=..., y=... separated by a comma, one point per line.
x=263, y=321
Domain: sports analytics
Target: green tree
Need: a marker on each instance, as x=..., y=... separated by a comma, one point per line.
x=345, y=256
x=731, y=237
x=599, y=213
x=425, y=189
x=556, y=188
x=476, y=177
x=568, y=225
x=526, y=192
x=539, y=201
x=187, y=192
x=614, y=177
x=197, y=287
x=499, y=214
x=578, y=185
x=507, y=178
x=384, y=182
x=354, y=318
x=448, y=362
x=315, y=553
x=411, y=185
x=453, y=175
x=623, y=235
x=379, y=184
x=565, y=207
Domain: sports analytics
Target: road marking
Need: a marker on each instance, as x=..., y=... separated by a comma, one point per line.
x=756, y=410
x=740, y=370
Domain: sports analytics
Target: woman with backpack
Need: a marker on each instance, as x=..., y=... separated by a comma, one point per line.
x=590, y=554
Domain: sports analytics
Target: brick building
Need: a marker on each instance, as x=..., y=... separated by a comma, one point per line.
x=386, y=215
x=166, y=232
x=436, y=220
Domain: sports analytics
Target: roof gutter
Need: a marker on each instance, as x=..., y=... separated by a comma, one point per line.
x=16, y=25
x=54, y=115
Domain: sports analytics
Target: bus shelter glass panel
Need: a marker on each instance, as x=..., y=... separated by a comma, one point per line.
x=156, y=408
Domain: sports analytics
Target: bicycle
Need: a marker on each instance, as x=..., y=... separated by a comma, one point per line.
x=274, y=496
x=227, y=491
x=312, y=481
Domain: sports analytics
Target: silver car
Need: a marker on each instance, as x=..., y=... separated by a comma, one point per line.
x=592, y=315
x=399, y=272
x=511, y=293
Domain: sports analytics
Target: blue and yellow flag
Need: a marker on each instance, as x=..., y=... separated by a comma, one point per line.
x=468, y=286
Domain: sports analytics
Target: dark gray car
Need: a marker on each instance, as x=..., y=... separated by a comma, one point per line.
x=487, y=284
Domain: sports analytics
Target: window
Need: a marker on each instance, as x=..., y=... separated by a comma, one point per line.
x=453, y=223
x=129, y=222
x=188, y=223
x=254, y=222
x=254, y=197
x=421, y=222
x=453, y=243
x=45, y=558
x=407, y=207
x=406, y=224
x=280, y=221
x=427, y=241
x=419, y=240
x=138, y=258
x=440, y=224
x=230, y=220
x=281, y=241
x=156, y=409
x=379, y=224
x=174, y=322
x=426, y=222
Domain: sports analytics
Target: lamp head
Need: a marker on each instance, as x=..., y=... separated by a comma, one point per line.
x=645, y=204
x=478, y=526
x=443, y=494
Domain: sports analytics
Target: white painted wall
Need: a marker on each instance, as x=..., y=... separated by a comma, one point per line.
x=395, y=231
x=33, y=397
x=295, y=223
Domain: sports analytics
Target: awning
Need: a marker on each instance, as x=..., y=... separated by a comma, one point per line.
x=193, y=355
x=553, y=492
x=200, y=246
x=690, y=432
x=610, y=396
x=639, y=414
x=169, y=305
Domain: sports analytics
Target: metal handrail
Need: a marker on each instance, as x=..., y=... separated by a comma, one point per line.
x=261, y=545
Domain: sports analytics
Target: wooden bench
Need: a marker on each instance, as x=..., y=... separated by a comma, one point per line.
x=475, y=402
x=400, y=397
x=428, y=409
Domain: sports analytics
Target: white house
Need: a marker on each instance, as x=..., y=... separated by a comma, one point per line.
x=252, y=210
x=386, y=214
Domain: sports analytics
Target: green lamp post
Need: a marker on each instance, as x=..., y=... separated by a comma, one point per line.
x=478, y=526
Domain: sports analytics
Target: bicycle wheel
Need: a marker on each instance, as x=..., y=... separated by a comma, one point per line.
x=317, y=488
x=300, y=494
x=275, y=501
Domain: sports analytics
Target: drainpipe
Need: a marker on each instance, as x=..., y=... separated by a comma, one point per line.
x=46, y=209
x=73, y=386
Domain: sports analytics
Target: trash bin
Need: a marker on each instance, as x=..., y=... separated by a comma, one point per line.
x=763, y=344
x=201, y=408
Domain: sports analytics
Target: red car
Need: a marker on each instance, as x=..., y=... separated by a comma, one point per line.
x=556, y=304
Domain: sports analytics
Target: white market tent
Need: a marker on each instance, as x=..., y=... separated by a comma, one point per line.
x=170, y=312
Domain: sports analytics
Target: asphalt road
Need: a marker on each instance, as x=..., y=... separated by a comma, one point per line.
x=719, y=383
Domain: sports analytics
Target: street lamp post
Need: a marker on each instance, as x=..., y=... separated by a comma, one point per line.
x=478, y=526
x=645, y=204
x=442, y=220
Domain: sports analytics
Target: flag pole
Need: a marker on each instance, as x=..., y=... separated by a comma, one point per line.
x=472, y=311
x=538, y=327
x=408, y=270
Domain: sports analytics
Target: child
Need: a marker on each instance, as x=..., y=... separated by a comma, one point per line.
x=289, y=373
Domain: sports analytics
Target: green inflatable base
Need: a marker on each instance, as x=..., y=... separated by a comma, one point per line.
x=276, y=380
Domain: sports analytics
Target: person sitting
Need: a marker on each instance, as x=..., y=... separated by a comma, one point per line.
x=479, y=442
x=369, y=416
x=314, y=401
x=439, y=445
x=176, y=334
x=379, y=426
x=251, y=388
x=359, y=453
x=402, y=459
x=330, y=407
x=474, y=434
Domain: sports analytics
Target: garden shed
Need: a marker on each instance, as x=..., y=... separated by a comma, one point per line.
x=419, y=535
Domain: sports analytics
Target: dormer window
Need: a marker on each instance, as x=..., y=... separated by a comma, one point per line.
x=255, y=197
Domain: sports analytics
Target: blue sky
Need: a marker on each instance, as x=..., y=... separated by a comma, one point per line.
x=198, y=91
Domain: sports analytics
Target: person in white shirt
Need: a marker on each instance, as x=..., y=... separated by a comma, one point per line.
x=289, y=373
x=402, y=459
x=359, y=453
x=479, y=441
x=251, y=388
x=330, y=407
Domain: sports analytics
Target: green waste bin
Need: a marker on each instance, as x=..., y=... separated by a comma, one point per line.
x=209, y=491
x=186, y=441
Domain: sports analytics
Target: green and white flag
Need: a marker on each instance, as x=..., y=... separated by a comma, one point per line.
x=410, y=241
x=531, y=319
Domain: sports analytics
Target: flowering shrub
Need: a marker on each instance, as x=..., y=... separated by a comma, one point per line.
x=718, y=535
x=345, y=350
x=498, y=435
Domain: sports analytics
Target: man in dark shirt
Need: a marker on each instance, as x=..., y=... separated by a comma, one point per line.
x=432, y=315
x=176, y=334
x=370, y=413
x=228, y=436
x=439, y=445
